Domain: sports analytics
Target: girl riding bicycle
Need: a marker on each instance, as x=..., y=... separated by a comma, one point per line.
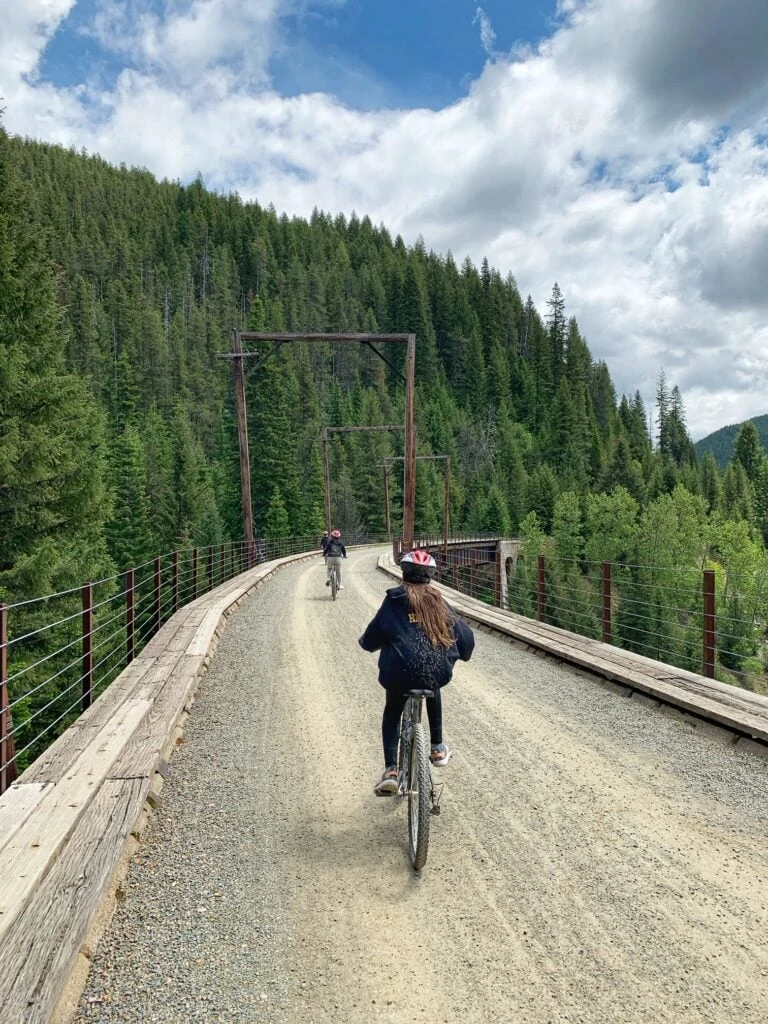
x=420, y=638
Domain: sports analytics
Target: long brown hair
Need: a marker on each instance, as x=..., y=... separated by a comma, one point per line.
x=427, y=607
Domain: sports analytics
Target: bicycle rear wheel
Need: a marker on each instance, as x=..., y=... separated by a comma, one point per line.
x=419, y=798
x=334, y=584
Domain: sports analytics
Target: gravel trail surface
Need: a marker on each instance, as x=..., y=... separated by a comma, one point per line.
x=595, y=861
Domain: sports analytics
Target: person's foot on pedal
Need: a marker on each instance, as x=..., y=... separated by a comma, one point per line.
x=341, y=586
x=327, y=583
x=387, y=784
x=440, y=755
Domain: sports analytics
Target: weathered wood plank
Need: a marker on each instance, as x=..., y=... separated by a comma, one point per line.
x=670, y=690
x=43, y=942
x=756, y=702
x=742, y=701
x=31, y=852
x=630, y=658
x=153, y=682
x=16, y=804
x=64, y=751
x=141, y=755
x=201, y=641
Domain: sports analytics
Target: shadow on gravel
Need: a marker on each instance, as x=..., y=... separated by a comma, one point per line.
x=381, y=842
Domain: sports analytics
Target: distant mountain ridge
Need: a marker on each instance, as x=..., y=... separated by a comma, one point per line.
x=720, y=443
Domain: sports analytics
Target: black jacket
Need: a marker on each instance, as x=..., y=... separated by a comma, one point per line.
x=334, y=549
x=324, y=542
x=408, y=659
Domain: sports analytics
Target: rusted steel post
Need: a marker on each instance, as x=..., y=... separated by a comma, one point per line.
x=156, y=597
x=7, y=745
x=607, y=631
x=223, y=563
x=130, y=616
x=499, y=570
x=472, y=572
x=194, y=573
x=709, y=623
x=386, y=502
x=232, y=572
x=397, y=549
x=87, y=645
x=541, y=590
x=174, y=582
x=242, y=434
x=447, y=506
x=210, y=567
x=326, y=482
x=409, y=497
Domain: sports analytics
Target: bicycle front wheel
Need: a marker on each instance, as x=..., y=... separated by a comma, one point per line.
x=419, y=798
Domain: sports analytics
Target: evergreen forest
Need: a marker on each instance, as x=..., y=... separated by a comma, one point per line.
x=722, y=442
x=118, y=440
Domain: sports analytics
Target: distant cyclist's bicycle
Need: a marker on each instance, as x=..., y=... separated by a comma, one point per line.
x=414, y=777
x=334, y=578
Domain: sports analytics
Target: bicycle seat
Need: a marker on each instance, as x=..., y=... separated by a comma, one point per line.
x=421, y=693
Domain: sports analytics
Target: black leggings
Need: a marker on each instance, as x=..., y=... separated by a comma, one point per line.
x=390, y=723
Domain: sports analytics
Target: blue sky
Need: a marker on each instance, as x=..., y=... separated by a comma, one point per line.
x=618, y=147
x=411, y=52
x=368, y=53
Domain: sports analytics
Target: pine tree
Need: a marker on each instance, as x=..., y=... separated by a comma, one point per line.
x=53, y=498
x=276, y=520
x=129, y=533
x=749, y=451
x=711, y=485
x=556, y=327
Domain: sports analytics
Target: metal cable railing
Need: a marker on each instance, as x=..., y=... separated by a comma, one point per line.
x=59, y=652
x=707, y=621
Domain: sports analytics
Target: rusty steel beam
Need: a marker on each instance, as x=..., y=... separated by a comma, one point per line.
x=8, y=772
x=242, y=435
x=326, y=484
x=710, y=649
x=409, y=499
x=386, y=502
x=353, y=430
x=607, y=631
x=365, y=339
x=87, y=662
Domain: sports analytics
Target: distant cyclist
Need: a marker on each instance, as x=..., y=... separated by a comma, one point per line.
x=420, y=638
x=333, y=553
x=325, y=540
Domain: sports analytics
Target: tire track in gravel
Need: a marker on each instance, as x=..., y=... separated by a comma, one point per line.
x=594, y=862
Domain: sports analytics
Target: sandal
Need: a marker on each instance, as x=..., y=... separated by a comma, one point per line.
x=387, y=784
x=440, y=756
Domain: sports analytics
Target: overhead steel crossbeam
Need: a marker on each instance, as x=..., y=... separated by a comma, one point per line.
x=326, y=470
x=237, y=355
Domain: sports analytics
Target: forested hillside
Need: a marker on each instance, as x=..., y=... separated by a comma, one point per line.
x=118, y=437
x=722, y=442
